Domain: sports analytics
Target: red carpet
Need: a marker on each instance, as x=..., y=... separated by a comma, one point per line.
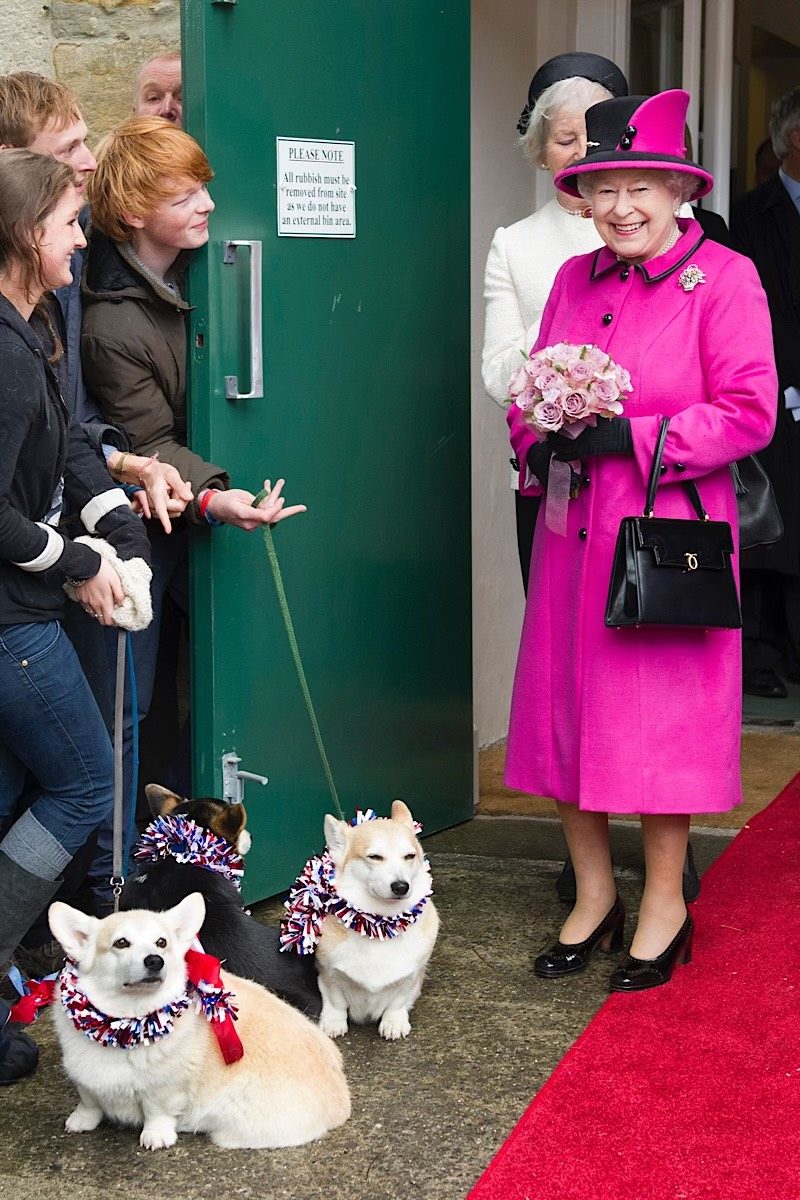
x=689, y=1091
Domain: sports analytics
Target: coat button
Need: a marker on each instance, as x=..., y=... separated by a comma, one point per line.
x=583, y=534
x=586, y=481
x=625, y=272
x=680, y=467
x=607, y=318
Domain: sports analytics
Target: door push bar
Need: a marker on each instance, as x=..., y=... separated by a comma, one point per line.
x=256, y=339
x=233, y=780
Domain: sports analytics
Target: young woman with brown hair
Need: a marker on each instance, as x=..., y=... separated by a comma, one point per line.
x=51, y=730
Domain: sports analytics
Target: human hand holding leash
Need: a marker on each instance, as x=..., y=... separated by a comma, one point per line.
x=101, y=594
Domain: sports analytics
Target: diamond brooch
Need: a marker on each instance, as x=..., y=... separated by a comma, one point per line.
x=690, y=278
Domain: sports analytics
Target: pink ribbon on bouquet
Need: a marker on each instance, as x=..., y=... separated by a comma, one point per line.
x=559, y=482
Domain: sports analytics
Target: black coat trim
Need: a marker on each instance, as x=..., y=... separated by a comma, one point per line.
x=642, y=267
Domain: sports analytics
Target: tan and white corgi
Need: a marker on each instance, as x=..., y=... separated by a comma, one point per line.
x=381, y=870
x=288, y=1087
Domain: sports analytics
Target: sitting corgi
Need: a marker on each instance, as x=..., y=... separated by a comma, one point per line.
x=364, y=909
x=197, y=846
x=137, y=1041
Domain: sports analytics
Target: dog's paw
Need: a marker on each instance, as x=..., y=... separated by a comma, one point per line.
x=333, y=1023
x=394, y=1025
x=83, y=1119
x=158, y=1135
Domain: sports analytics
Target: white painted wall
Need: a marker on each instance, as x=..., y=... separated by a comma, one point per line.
x=503, y=61
x=510, y=38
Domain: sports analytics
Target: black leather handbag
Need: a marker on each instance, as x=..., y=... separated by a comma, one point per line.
x=760, y=521
x=670, y=571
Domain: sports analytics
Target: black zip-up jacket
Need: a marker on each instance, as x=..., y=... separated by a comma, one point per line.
x=39, y=443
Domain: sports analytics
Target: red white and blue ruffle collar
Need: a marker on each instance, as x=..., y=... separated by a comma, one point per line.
x=313, y=896
x=187, y=842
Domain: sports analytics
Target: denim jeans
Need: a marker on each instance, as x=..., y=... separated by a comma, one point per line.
x=51, y=730
x=170, y=562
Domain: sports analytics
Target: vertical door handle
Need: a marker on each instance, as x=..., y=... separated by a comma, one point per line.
x=256, y=338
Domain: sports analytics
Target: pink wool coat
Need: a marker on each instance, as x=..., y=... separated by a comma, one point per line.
x=638, y=720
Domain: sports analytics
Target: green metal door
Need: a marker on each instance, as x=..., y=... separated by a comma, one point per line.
x=365, y=411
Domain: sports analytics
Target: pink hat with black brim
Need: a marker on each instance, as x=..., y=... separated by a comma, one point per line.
x=636, y=132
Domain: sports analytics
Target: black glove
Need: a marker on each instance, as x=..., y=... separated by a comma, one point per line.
x=126, y=532
x=609, y=436
x=538, y=460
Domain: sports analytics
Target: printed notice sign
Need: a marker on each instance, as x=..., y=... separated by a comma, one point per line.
x=316, y=188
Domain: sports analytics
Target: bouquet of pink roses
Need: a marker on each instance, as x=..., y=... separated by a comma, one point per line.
x=566, y=387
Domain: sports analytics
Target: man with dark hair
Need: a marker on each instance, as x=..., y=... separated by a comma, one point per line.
x=765, y=225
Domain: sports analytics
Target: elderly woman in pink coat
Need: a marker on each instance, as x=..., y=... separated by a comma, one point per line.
x=642, y=720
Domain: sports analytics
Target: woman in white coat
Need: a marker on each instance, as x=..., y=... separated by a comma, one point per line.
x=525, y=257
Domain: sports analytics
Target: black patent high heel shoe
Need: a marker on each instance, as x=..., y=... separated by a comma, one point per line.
x=569, y=959
x=637, y=974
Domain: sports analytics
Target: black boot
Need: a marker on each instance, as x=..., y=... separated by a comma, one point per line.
x=19, y=1054
x=22, y=897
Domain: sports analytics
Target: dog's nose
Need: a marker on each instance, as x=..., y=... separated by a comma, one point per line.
x=153, y=963
x=399, y=887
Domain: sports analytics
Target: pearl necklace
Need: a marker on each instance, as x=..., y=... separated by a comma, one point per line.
x=573, y=212
x=668, y=244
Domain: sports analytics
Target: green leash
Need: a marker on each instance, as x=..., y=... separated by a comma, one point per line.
x=298, y=662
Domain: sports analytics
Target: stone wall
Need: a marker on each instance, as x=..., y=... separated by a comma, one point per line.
x=93, y=46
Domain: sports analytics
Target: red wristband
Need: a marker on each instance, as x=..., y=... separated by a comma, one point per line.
x=204, y=499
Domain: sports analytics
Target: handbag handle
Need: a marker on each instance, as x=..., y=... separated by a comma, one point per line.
x=655, y=478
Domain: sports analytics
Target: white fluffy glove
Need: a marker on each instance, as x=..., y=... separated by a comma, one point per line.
x=136, y=610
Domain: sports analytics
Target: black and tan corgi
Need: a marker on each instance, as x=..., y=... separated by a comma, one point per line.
x=246, y=947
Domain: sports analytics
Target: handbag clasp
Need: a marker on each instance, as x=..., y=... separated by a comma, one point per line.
x=691, y=561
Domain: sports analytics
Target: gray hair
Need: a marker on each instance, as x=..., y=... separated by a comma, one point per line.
x=682, y=186
x=784, y=117
x=170, y=56
x=573, y=95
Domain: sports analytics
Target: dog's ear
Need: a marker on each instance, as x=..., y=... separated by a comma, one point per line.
x=229, y=822
x=74, y=931
x=161, y=800
x=186, y=918
x=336, y=833
x=402, y=813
